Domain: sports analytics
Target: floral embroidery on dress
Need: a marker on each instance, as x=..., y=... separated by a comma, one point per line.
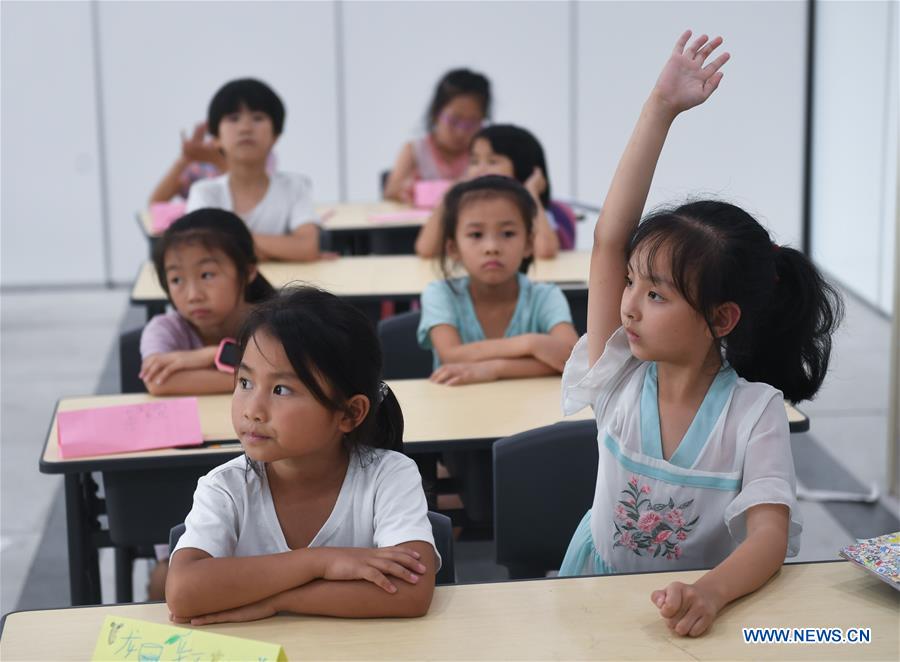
x=647, y=528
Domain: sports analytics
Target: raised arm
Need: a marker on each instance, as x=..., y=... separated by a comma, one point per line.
x=684, y=83
x=428, y=241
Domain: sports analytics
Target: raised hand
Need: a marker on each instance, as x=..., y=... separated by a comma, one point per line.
x=684, y=81
x=197, y=148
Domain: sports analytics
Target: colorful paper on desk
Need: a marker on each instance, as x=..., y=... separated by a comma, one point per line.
x=129, y=428
x=133, y=639
x=163, y=214
x=429, y=194
x=880, y=556
x=407, y=215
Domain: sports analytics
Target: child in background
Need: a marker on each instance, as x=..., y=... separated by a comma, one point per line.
x=692, y=314
x=323, y=515
x=493, y=323
x=461, y=103
x=511, y=151
x=246, y=118
x=206, y=265
x=199, y=159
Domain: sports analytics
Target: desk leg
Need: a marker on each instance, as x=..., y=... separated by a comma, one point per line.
x=84, y=566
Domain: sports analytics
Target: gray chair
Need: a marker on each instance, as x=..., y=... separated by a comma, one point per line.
x=403, y=358
x=443, y=540
x=130, y=362
x=543, y=485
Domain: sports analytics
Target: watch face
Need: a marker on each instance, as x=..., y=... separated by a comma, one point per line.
x=230, y=355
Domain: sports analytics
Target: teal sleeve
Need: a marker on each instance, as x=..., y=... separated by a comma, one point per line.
x=552, y=307
x=437, y=308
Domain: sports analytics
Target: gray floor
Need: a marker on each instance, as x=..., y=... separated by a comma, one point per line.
x=59, y=343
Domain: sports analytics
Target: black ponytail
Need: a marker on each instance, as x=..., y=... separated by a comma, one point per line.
x=791, y=345
x=388, y=421
x=327, y=339
x=719, y=253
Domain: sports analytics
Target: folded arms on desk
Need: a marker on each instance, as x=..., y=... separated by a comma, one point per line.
x=347, y=582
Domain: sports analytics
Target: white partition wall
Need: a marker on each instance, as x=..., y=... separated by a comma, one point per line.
x=395, y=52
x=745, y=145
x=854, y=164
x=51, y=203
x=356, y=78
x=163, y=61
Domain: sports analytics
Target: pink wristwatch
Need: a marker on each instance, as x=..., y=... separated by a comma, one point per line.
x=227, y=355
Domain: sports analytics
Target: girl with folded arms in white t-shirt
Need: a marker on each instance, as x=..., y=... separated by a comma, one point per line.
x=323, y=514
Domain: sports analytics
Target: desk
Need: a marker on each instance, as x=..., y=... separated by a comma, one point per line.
x=573, y=618
x=372, y=278
x=436, y=418
x=338, y=217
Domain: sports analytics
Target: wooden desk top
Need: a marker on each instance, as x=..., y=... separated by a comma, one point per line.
x=435, y=418
x=374, y=276
x=578, y=618
x=434, y=415
x=337, y=216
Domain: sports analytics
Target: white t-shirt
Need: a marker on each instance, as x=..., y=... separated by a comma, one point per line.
x=381, y=503
x=287, y=204
x=736, y=454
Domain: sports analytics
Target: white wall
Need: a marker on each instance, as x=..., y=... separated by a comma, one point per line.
x=51, y=204
x=745, y=145
x=854, y=170
x=160, y=63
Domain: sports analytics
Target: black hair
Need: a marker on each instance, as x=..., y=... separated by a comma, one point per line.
x=249, y=92
x=455, y=83
x=325, y=336
x=489, y=186
x=522, y=148
x=719, y=253
x=215, y=229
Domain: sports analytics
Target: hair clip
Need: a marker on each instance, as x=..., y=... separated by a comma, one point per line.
x=382, y=392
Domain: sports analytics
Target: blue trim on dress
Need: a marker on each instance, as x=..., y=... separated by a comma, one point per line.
x=582, y=557
x=701, y=427
x=712, y=482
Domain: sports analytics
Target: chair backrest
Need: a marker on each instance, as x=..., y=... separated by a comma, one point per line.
x=577, y=300
x=130, y=362
x=441, y=527
x=543, y=485
x=403, y=358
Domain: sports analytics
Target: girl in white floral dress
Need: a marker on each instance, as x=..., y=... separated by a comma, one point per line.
x=698, y=327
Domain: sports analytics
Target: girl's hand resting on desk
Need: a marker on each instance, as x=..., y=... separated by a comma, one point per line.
x=372, y=565
x=156, y=368
x=688, y=609
x=253, y=612
x=684, y=82
x=457, y=374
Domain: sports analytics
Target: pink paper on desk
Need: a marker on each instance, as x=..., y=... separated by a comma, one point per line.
x=163, y=214
x=129, y=428
x=407, y=215
x=429, y=194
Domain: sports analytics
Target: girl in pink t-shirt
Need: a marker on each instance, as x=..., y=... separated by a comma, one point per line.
x=206, y=265
x=459, y=107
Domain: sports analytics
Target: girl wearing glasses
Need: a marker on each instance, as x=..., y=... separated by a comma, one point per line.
x=458, y=109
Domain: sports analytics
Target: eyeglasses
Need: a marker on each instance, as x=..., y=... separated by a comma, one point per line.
x=454, y=122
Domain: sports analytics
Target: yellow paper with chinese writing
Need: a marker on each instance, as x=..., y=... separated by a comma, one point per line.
x=142, y=641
